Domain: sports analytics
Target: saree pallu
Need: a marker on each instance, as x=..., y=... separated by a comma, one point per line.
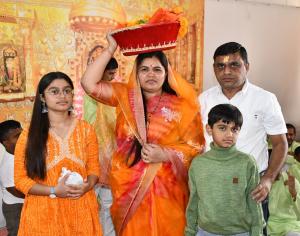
x=156, y=207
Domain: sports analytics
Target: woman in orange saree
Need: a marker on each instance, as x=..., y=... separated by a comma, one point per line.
x=158, y=133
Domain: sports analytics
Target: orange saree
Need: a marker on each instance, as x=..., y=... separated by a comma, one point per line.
x=150, y=199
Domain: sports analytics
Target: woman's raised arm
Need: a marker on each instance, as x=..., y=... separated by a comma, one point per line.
x=91, y=79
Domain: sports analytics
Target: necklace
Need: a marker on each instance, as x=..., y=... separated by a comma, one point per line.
x=149, y=114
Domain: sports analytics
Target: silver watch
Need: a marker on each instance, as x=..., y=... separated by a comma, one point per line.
x=52, y=193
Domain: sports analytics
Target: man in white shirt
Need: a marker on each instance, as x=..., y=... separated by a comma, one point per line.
x=12, y=198
x=260, y=109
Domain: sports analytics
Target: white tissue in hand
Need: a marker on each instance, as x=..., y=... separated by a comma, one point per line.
x=73, y=179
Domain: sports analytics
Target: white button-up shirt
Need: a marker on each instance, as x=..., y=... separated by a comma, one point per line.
x=7, y=179
x=262, y=115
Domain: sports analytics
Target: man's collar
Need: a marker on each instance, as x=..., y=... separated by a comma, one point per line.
x=245, y=87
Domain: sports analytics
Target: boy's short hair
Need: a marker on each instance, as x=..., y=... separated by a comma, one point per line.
x=6, y=126
x=297, y=151
x=112, y=64
x=226, y=113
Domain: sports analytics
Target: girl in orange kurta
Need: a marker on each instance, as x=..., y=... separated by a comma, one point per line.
x=56, y=139
x=158, y=133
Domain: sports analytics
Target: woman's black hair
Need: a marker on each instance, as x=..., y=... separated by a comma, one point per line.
x=137, y=147
x=36, y=147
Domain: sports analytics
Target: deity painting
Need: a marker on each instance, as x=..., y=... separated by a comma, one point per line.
x=12, y=71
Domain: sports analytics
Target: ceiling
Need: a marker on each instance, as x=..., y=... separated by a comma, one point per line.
x=288, y=3
x=68, y=3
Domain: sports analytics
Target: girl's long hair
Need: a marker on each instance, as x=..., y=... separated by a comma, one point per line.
x=36, y=147
x=137, y=147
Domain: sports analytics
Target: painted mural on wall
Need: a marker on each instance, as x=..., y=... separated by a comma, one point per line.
x=12, y=70
x=58, y=35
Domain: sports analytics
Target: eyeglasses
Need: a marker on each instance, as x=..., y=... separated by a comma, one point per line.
x=232, y=66
x=56, y=92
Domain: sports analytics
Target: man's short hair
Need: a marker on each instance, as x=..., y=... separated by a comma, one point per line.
x=231, y=48
x=290, y=126
x=226, y=113
x=6, y=126
x=112, y=64
x=297, y=151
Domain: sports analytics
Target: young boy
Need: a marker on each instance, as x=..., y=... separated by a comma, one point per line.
x=12, y=198
x=221, y=181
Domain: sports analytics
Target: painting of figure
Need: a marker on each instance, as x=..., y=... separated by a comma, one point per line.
x=12, y=71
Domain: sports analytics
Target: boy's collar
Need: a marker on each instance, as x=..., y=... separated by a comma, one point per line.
x=217, y=148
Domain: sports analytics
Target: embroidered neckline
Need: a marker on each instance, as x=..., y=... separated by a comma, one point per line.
x=60, y=139
x=63, y=148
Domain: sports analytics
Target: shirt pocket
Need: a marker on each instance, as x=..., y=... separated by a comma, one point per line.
x=236, y=187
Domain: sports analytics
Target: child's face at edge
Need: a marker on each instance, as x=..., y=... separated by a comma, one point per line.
x=224, y=134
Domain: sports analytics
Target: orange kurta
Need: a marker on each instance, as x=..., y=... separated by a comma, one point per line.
x=41, y=215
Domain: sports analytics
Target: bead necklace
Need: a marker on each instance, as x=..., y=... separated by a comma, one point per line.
x=149, y=114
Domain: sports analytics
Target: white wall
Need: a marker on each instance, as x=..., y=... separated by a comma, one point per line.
x=271, y=35
x=295, y=3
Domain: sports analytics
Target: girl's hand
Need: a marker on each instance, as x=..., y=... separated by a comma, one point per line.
x=61, y=189
x=76, y=191
x=152, y=153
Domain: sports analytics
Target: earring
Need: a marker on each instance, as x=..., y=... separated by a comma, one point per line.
x=71, y=108
x=44, y=108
